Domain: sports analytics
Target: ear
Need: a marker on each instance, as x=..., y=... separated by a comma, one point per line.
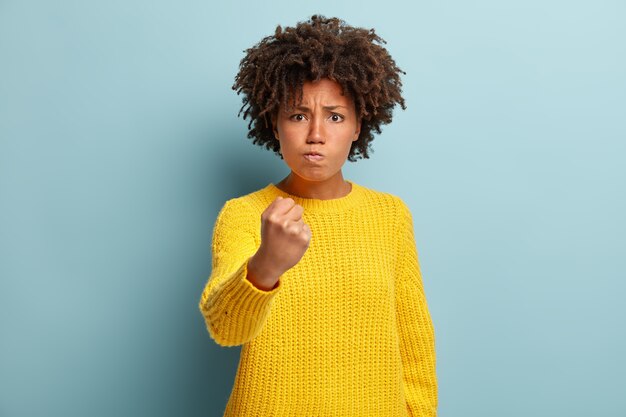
x=357, y=132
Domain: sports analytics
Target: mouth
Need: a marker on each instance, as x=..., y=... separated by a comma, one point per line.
x=313, y=156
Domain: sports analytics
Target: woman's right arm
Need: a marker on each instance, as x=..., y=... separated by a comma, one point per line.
x=234, y=308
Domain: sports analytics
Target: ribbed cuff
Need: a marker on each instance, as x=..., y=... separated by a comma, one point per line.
x=240, y=309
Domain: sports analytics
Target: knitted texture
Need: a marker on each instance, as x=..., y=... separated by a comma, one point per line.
x=345, y=332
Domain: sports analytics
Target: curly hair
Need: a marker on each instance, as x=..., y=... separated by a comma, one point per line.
x=275, y=69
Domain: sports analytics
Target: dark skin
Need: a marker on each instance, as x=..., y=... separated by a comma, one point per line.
x=272, y=72
x=284, y=240
x=338, y=127
x=324, y=121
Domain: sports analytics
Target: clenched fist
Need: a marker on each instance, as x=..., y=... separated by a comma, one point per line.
x=284, y=240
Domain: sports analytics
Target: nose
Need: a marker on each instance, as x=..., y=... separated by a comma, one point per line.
x=316, y=131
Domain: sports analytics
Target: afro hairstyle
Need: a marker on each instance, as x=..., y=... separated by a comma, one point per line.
x=274, y=70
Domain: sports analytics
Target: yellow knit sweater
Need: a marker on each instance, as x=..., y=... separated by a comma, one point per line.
x=345, y=332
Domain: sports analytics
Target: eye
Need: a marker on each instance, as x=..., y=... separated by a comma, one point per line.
x=297, y=117
x=336, y=117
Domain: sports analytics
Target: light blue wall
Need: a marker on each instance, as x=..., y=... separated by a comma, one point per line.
x=119, y=142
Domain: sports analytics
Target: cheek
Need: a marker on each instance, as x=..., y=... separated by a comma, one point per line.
x=290, y=129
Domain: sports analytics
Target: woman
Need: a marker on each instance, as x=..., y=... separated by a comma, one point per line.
x=316, y=276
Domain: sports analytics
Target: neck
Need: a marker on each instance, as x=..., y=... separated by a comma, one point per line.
x=332, y=188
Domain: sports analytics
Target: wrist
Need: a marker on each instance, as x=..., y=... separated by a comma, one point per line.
x=260, y=274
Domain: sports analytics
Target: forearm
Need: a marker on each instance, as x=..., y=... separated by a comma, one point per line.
x=419, y=359
x=234, y=309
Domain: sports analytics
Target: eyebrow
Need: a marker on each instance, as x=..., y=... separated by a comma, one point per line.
x=305, y=108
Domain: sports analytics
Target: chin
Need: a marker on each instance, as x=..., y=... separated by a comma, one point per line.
x=313, y=176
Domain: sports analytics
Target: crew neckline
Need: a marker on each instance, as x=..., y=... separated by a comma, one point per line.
x=354, y=197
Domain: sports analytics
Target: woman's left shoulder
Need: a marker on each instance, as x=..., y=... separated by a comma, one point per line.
x=392, y=200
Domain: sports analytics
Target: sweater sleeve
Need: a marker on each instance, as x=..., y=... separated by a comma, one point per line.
x=417, y=335
x=233, y=308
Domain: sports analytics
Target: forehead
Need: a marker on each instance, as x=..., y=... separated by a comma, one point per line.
x=324, y=91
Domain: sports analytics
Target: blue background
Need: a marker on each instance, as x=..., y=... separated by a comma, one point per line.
x=119, y=143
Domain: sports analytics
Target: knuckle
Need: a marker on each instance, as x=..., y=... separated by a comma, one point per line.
x=273, y=218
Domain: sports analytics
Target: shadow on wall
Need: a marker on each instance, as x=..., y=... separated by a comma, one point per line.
x=234, y=167
x=240, y=167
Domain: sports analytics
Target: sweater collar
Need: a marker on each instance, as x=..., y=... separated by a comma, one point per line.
x=353, y=198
